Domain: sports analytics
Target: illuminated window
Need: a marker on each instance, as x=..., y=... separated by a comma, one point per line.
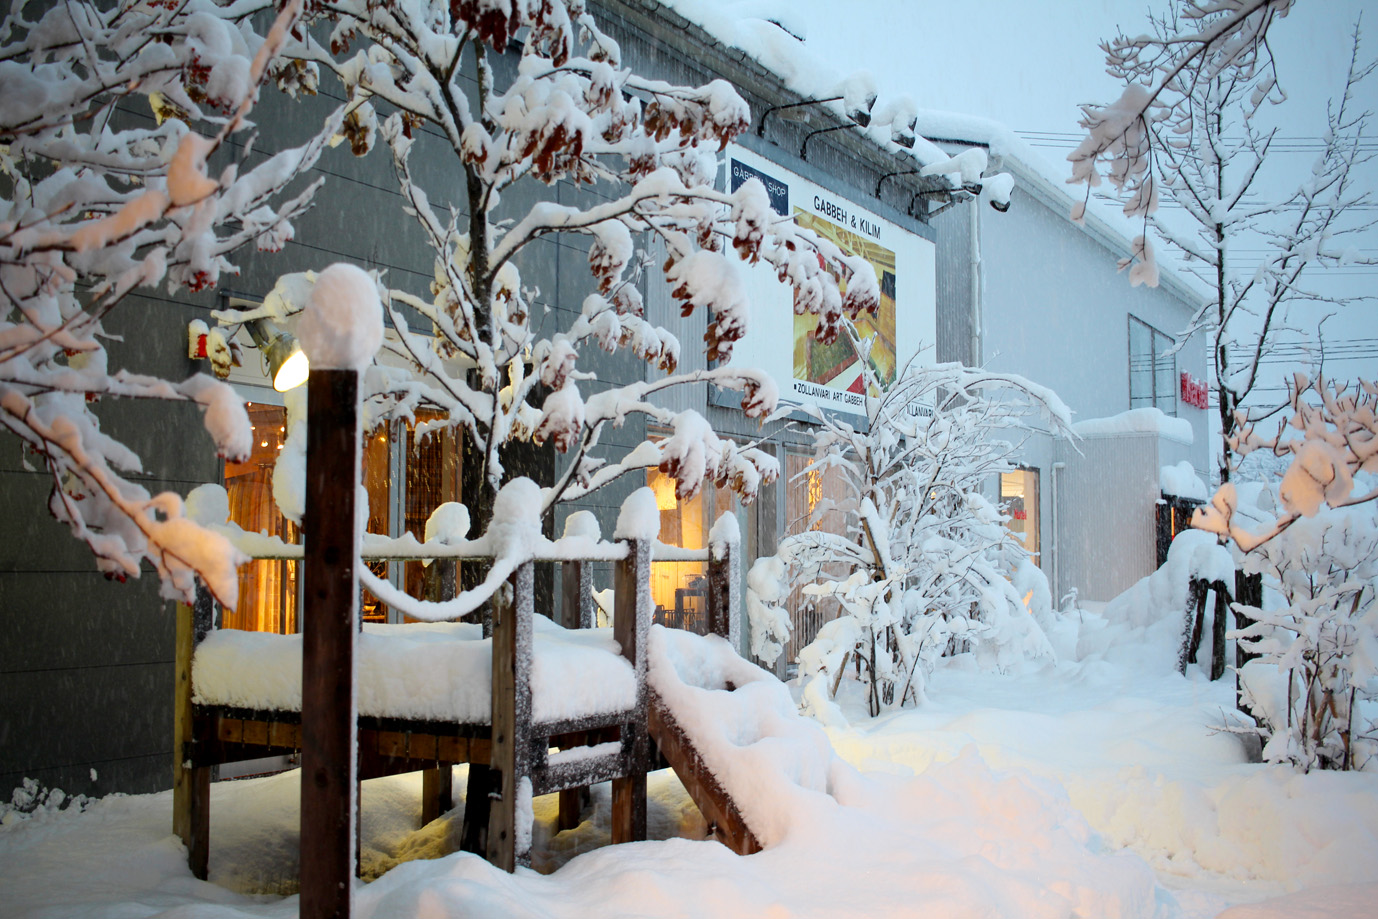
x=267, y=587
x=680, y=589
x=432, y=478
x=429, y=473
x=1019, y=496
x=406, y=478
x=377, y=456
x=813, y=495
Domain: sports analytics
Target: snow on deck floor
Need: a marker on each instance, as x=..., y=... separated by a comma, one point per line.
x=1059, y=792
x=423, y=671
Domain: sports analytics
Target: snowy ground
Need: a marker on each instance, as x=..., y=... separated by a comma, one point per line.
x=1092, y=789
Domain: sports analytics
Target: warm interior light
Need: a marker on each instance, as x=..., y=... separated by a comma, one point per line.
x=664, y=488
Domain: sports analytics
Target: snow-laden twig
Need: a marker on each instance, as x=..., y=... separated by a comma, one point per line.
x=93, y=211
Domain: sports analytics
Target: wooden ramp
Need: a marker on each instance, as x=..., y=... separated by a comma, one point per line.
x=725, y=820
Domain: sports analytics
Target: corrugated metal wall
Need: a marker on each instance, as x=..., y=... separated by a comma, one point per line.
x=953, y=270
x=1105, y=502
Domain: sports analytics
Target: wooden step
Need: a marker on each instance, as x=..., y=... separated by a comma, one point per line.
x=717, y=806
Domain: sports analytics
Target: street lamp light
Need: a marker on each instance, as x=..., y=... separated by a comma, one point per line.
x=287, y=363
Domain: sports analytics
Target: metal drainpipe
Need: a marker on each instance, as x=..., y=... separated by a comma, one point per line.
x=1057, y=587
x=977, y=358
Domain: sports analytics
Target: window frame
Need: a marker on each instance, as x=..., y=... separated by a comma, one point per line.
x=1161, y=346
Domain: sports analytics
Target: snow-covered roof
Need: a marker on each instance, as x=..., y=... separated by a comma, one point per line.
x=1137, y=421
x=762, y=37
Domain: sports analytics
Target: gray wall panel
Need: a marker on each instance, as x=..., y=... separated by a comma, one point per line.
x=1106, y=498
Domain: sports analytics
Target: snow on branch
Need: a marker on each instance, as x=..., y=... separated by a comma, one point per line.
x=1331, y=437
x=1185, y=131
x=562, y=108
x=1203, y=41
x=92, y=211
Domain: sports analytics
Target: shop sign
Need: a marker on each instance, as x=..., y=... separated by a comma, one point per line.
x=1194, y=391
x=830, y=376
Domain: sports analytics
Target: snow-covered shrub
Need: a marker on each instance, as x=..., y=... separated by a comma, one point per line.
x=931, y=560
x=1318, y=667
x=32, y=799
x=1319, y=557
x=98, y=200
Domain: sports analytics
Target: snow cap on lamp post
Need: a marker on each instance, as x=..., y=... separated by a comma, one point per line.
x=342, y=325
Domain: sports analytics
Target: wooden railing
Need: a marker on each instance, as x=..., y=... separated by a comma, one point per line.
x=514, y=747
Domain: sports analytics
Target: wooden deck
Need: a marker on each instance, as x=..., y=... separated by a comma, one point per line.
x=611, y=746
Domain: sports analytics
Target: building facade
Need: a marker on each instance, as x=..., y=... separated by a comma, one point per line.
x=86, y=665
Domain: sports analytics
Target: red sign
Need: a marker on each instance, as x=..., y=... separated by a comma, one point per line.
x=1194, y=392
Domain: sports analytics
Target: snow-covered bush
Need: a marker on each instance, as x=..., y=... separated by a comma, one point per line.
x=1331, y=436
x=1318, y=668
x=97, y=201
x=931, y=560
x=558, y=107
x=1319, y=557
x=32, y=799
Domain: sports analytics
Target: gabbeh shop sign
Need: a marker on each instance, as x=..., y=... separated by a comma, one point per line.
x=807, y=371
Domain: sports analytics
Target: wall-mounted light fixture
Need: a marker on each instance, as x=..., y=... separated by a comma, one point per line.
x=287, y=363
x=899, y=115
x=891, y=175
x=858, y=103
x=994, y=190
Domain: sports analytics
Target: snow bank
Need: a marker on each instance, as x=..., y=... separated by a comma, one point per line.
x=1182, y=481
x=423, y=671
x=1145, y=622
x=1137, y=421
x=1323, y=903
x=961, y=840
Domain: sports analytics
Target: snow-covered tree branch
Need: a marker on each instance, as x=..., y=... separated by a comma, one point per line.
x=931, y=560
x=95, y=208
x=1194, y=139
x=1202, y=42
x=1331, y=436
x=559, y=107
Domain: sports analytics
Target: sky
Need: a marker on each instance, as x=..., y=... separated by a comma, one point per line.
x=1029, y=65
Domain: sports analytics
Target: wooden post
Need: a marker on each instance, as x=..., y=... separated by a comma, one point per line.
x=576, y=594
x=1248, y=591
x=724, y=578
x=1218, y=626
x=512, y=648
x=631, y=626
x=437, y=785
x=329, y=727
x=1191, y=624
x=576, y=606
x=191, y=784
